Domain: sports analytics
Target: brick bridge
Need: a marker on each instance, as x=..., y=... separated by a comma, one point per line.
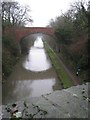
x=21, y=32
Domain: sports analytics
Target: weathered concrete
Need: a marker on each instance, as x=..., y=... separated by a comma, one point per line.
x=0, y=112
x=67, y=103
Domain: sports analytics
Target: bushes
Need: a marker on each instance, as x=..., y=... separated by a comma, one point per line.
x=6, y=63
x=65, y=35
x=11, y=45
x=10, y=55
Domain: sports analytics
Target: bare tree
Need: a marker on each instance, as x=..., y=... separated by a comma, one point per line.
x=14, y=14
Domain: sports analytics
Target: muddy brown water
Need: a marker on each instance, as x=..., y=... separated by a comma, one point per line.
x=32, y=76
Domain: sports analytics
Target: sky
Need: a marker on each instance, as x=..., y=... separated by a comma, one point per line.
x=42, y=11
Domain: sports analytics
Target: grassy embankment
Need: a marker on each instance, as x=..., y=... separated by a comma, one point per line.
x=62, y=74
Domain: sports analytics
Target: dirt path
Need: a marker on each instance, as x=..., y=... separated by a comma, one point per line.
x=75, y=78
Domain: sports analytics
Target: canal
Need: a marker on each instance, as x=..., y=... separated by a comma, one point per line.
x=32, y=76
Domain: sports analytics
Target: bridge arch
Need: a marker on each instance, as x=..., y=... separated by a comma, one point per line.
x=19, y=33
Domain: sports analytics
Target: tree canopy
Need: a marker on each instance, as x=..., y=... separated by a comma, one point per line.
x=73, y=32
x=13, y=14
x=74, y=20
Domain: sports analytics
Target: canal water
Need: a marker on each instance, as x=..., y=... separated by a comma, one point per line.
x=32, y=76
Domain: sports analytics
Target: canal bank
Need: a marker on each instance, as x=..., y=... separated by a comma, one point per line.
x=63, y=76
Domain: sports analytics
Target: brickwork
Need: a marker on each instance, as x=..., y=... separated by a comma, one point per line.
x=20, y=32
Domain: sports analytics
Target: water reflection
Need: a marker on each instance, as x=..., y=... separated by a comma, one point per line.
x=37, y=59
x=34, y=88
x=18, y=90
x=24, y=83
x=38, y=43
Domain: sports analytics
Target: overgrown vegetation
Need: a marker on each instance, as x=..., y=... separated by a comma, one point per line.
x=62, y=74
x=13, y=15
x=10, y=55
x=71, y=30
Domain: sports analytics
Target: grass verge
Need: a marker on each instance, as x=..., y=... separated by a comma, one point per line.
x=62, y=74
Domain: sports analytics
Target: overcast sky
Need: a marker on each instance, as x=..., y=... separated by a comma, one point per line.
x=44, y=10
